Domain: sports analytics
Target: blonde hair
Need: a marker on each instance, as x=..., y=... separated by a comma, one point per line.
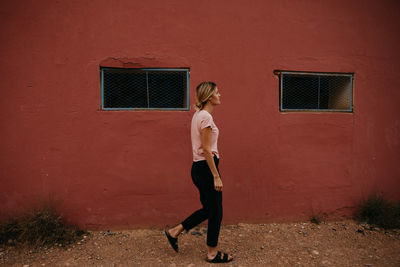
x=203, y=92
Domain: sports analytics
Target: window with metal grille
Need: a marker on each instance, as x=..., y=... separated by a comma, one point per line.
x=302, y=91
x=128, y=89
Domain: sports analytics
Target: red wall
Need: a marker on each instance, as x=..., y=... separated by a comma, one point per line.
x=132, y=168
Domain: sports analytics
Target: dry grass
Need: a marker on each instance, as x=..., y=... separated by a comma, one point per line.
x=43, y=226
x=378, y=211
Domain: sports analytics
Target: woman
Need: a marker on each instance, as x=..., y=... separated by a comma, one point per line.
x=205, y=173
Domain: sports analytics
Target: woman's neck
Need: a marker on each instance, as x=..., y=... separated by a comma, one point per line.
x=208, y=107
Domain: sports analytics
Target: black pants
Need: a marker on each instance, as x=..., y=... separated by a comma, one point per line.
x=209, y=198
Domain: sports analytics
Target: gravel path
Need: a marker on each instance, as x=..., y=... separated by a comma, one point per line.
x=343, y=243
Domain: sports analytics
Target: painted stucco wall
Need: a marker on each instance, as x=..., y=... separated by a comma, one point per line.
x=132, y=168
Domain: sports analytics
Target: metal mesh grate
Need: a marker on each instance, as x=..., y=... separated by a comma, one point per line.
x=322, y=92
x=144, y=88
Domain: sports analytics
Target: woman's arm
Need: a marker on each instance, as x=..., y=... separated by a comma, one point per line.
x=206, y=145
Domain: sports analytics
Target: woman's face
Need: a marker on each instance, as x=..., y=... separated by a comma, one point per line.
x=215, y=98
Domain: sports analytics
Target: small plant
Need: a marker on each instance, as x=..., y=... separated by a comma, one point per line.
x=39, y=227
x=378, y=211
x=316, y=218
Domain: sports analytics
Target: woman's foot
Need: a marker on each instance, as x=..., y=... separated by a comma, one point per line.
x=219, y=257
x=175, y=231
x=173, y=241
x=172, y=236
x=215, y=255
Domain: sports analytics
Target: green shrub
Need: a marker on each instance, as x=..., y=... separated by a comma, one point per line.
x=39, y=227
x=378, y=211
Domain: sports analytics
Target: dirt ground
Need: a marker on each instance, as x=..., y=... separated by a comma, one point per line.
x=343, y=243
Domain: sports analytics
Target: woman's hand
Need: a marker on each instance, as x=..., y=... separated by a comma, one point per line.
x=218, y=183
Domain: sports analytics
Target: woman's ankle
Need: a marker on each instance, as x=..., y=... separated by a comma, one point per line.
x=212, y=251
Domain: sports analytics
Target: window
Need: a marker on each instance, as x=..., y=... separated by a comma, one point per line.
x=129, y=89
x=302, y=91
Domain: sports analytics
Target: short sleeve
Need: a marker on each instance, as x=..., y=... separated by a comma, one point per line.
x=205, y=120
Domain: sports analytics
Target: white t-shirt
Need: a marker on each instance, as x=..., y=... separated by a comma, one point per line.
x=202, y=119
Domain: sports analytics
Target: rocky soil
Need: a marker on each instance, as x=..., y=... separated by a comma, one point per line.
x=343, y=243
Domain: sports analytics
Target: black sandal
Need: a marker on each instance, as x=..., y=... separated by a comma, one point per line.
x=172, y=241
x=220, y=258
